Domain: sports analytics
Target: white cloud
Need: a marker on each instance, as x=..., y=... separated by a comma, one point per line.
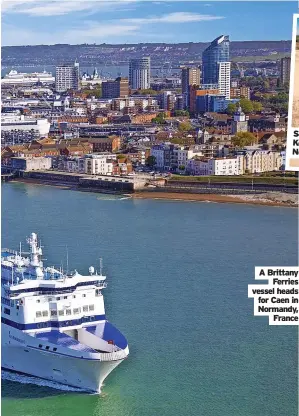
x=92, y=31
x=177, y=17
x=59, y=7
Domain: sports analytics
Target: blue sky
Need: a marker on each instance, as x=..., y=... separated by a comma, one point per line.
x=31, y=22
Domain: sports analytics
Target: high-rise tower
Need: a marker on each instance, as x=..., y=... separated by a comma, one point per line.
x=216, y=65
x=67, y=77
x=139, y=73
x=190, y=76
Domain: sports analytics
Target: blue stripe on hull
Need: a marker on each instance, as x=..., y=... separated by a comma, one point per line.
x=53, y=324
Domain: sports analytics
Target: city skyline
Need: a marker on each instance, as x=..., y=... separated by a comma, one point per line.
x=30, y=22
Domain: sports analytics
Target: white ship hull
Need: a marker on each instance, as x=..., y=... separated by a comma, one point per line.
x=54, y=325
x=86, y=374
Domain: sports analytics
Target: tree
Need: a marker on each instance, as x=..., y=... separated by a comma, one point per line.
x=231, y=108
x=182, y=167
x=151, y=161
x=181, y=113
x=148, y=91
x=257, y=106
x=159, y=119
x=185, y=126
x=244, y=138
x=246, y=105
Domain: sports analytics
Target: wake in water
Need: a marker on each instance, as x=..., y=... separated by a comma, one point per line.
x=115, y=198
x=24, y=379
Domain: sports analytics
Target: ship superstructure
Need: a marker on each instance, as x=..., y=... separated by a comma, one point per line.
x=54, y=324
x=16, y=78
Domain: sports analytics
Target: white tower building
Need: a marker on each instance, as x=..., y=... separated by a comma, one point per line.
x=139, y=73
x=67, y=77
x=224, y=79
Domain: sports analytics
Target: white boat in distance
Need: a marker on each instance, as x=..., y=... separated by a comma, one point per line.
x=54, y=324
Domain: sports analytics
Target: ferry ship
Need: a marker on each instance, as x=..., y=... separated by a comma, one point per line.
x=54, y=324
x=23, y=78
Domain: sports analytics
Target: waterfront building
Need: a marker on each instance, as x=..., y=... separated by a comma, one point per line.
x=184, y=154
x=216, y=65
x=258, y=161
x=285, y=70
x=29, y=164
x=139, y=73
x=115, y=89
x=240, y=121
x=99, y=164
x=219, y=166
x=67, y=77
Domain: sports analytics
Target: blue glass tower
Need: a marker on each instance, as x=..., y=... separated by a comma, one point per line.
x=217, y=52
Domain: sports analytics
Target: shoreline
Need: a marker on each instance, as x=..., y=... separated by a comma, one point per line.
x=215, y=198
x=248, y=199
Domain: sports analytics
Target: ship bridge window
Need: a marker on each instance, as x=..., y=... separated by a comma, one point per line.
x=45, y=313
x=61, y=313
x=65, y=297
x=38, y=314
x=53, y=313
x=85, y=308
x=68, y=311
x=7, y=311
x=91, y=307
x=76, y=310
x=58, y=298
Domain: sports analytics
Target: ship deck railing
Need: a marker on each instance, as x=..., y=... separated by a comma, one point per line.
x=114, y=356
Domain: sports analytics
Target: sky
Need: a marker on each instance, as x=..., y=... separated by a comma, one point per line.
x=35, y=22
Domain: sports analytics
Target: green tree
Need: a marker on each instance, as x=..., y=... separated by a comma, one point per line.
x=148, y=91
x=185, y=126
x=231, y=108
x=182, y=167
x=257, y=106
x=151, y=161
x=244, y=138
x=160, y=119
x=246, y=105
x=181, y=113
